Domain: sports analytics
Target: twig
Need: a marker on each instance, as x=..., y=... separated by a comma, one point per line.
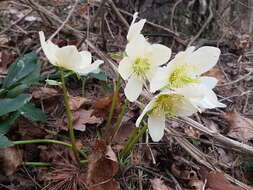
x=16, y=22
x=117, y=12
x=173, y=12
x=204, y=25
x=100, y=8
x=237, y=80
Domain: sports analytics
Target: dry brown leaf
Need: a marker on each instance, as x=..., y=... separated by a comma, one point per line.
x=44, y=93
x=196, y=184
x=240, y=127
x=177, y=171
x=10, y=160
x=216, y=73
x=103, y=106
x=191, y=132
x=102, y=167
x=217, y=180
x=158, y=184
x=82, y=117
x=75, y=102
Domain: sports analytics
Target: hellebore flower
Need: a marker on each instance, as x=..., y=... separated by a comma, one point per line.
x=68, y=57
x=135, y=28
x=185, y=70
x=166, y=104
x=140, y=64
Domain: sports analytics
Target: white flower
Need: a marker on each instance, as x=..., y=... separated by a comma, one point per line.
x=166, y=104
x=185, y=70
x=135, y=27
x=140, y=64
x=68, y=57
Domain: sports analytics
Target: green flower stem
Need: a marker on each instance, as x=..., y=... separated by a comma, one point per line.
x=114, y=100
x=133, y=139
x=69, y=118
x=33, y=141
x=46, y=163
x=119, y=120
x=37, y=164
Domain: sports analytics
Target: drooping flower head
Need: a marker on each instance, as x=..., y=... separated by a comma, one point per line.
x=68, y=57
x=135, y=27
x=140, y=64
x=166, y=104
x=185, y=70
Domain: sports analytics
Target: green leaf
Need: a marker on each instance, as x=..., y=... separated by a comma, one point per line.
x=100, y=76
x=53, y=82
x=5, y=142
x=31, y=112
x=16, y=90
x=33, y=77
x=8, y=105
x=117, y=56
x=6, y=123
x=20, y=69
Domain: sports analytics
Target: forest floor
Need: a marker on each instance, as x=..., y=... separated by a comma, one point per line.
x=214, y=152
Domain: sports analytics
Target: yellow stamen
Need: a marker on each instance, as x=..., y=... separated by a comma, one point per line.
x=140, y=67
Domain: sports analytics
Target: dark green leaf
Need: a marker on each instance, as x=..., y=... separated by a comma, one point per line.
x=33, y=77
x=6, y=123
x=16, y=90
x=31, y=112
x=5, y=142
x=8, y=105
x=20, y=69
x=100, y=76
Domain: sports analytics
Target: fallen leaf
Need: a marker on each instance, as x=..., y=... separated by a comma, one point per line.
x=191, y=132
x=196, y=184
x=82, y=117
x=102, y=167
x=177, y=171
x=10, y=160
x=216, y=73
x=44, y=93
x=217, y=180
x=6, y=59
x=75, y=102
x=103, y=106
x=240, y=127
x=158, y=184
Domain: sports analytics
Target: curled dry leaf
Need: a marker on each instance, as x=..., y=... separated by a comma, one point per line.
x=240, y=127
x=183, y=174
x=44, y=93
x=75, y=102
x=102, y=167
x=103, y=106
x=216, y=73
x=82, y=117
x=10, y=160
x=217, y=180
x=158, y=184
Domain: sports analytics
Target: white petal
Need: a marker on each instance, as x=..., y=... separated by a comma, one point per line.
x=125, y=68
x=159, y=80
x=159, y=54
x=156, y=126
x=69, y=57
x=204, y=58
x=187, y=108
x=137, y=47
x=148, y=107
x=135, y=28
x=133, y=88
x=91, y=68
x=86, y=57
x=49, y=48
x=209, y=82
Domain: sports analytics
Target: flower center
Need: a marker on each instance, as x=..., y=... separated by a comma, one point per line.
x=182, y=76
x=140, y=67
x=169, y=104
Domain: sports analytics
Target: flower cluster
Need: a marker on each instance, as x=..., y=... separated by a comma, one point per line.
x=183, y=91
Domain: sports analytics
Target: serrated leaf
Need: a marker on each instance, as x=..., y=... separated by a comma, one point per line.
x=31, y=112
x=5, y=142
x=8, y=105
x=20, y=69
x=6, y=123
x=100, y=76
